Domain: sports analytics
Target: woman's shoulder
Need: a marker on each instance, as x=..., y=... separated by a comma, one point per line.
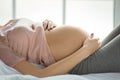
x=21, y=23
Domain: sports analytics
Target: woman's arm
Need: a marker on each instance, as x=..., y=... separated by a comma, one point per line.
x=63, y=66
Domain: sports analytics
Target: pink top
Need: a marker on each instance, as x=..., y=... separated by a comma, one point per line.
x=28, y=42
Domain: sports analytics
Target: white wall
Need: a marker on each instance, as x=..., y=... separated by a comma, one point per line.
x=39, y=10
x=5, y=11
x=117, y=12
x=95, y=16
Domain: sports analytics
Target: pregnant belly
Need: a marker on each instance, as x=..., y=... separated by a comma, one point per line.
x=64, y=41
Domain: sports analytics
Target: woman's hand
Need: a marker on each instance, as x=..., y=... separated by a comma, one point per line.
x=48, y=25
x=92, y=44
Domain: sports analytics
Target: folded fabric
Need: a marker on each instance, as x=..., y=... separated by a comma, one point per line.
x=8, y=73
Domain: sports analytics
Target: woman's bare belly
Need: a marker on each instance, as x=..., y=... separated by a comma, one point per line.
x=64, y=41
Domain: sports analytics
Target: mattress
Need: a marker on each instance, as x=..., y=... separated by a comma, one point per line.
x=8, y=73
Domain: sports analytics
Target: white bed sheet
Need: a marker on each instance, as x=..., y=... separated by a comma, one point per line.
x=8, y=73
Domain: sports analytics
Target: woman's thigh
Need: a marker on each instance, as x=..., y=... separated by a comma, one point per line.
x=106, y=59
x=112, y=35
x=65, y=40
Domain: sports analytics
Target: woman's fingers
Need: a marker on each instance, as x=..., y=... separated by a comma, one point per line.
x=92, y=35
x=45, y=24
x=48, y=25
x=91, y=41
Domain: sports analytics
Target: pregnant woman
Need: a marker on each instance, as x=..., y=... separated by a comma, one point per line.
x=61, y=50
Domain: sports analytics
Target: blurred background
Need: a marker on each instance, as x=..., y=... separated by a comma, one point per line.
x=97, y=16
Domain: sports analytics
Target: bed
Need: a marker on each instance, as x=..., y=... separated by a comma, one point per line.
x=8, y=73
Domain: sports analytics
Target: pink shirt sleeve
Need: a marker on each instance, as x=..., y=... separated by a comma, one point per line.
x=30, y=44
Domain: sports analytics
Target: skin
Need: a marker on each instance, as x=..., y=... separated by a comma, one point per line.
x=58, y=68
x=65, y=62
x=70, y=48
x=65, y=40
